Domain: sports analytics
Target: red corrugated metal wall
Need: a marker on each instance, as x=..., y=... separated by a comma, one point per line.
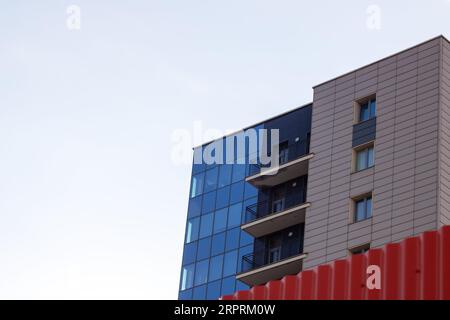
x=416, y=268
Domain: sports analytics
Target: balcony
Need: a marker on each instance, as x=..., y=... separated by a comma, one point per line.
x=293, y=162
x=255, y=272
x=266, y=217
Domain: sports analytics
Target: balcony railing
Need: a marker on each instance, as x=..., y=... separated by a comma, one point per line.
x=292, y=152
x=266, y=207
x=263, y=258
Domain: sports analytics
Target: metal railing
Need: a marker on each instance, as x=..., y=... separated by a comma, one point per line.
x=266, y=207
x=263, y=258
x=292, y=152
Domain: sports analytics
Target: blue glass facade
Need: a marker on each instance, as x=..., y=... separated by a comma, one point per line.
x=214, y=242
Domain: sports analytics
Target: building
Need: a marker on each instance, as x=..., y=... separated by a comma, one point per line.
x=365, y=164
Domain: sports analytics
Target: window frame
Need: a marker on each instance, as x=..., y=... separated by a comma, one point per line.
x=354, y=213
x=357, y=150
x=359, y=103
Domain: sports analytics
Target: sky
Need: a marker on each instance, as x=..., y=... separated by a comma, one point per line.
x=93, y=201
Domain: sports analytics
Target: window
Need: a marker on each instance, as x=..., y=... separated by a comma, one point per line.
x=192, y=230
x=201, y=272
x=362, y=208
x=232, y=239
x=238, y=172
x=360, y=249
x=213, y=291
x=220, y=220
x=199, y=293
x=187, y=277
x=234, y=215
x=225, y=175
x=211, y=179
x=237, y=192
x=367, y=109
x=209, y=202
x=197, y=185
x=206, y=225
x=204, y=248
x=222, y=198
x=215, y=268
x=230, y=263
x=218, y=244
x=189, y=253
x=364, y=158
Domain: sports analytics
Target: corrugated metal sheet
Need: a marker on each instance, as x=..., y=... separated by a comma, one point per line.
x=416, y=268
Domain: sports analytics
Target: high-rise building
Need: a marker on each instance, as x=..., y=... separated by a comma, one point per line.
x=366, y=163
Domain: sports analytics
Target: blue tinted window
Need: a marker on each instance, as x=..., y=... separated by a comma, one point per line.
x=185, y=295
x=209, y=202
x=215, y=268
x=201, y=272
x=234, y=215
x=372, y=108
x=187, y=277
x=230, y=262
x=246, y=239
x=192, y=229
x=223, y=196
x=197, y=185
x=228, y=286
x=250, y=191
x=242, y=252
x=225, y=175
x=211, y=179
x=199, y=293
x=218, y=244
x=204, y=248
x=206, y=225
x=237, y=192
x=238, y=172
x=213, y=292
x=195, y=206
x=232, y=239
x=189, y=253
x=220, y=220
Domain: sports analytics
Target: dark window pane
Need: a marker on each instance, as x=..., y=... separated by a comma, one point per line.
x=242, y=252
x=223, y=196
x=201, y=272
x=220, y=220
x=238, y=172
x=364, y=112
x=369, y=207
x=360, y=210
x=225, y=175
x=218, y=244
x=232, y=239
x=195, y=206
x=206, y=225
x=187, y=277
x=199, y=293
x=192, y=229
x=246, y=239
x=228, y=285
x=204, y=248
x=234, y=215
x=185, y=295
x=189, y=253
x=209, y=202
x=237, y=192
x=197, y=185
x=215, y=268
x=372, y=108
x=211, y=179
x=213, y=292
x=230, y=262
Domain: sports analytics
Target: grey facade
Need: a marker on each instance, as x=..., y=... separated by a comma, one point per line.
x=411, y=177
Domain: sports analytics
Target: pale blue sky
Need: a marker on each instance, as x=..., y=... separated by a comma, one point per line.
x=91, y=205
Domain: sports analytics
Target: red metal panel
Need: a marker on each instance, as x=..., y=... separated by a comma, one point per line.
x=416, y=268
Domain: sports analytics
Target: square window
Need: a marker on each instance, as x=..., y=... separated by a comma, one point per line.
x=232, y=239
x=363, y=157
x=199, y=293
x=366, y=108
